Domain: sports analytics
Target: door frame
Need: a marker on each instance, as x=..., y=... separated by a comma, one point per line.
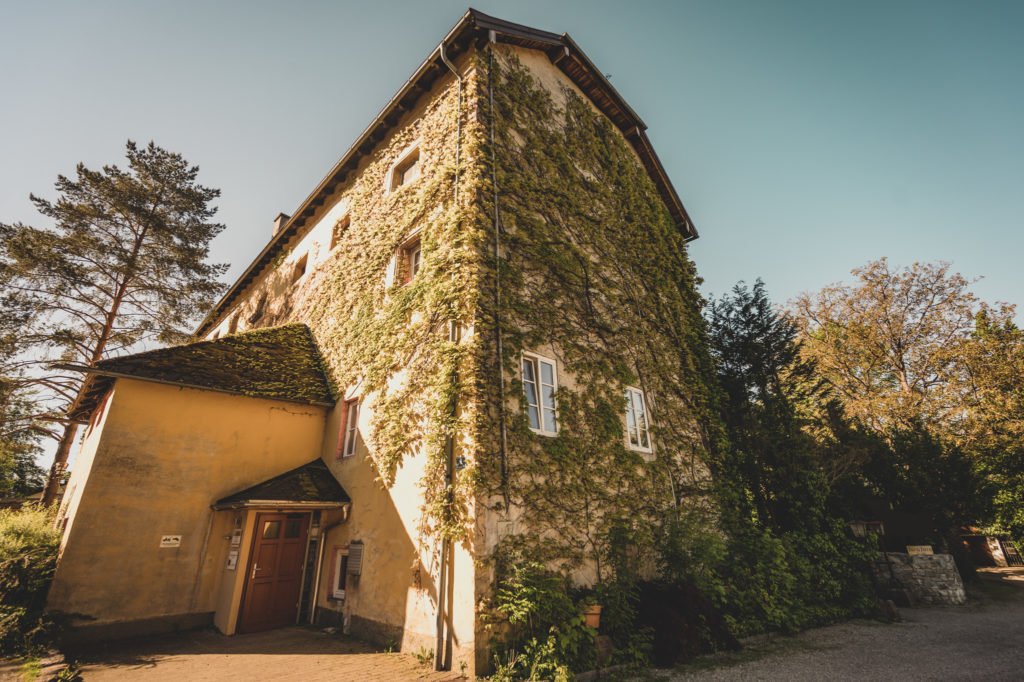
x=247, y=577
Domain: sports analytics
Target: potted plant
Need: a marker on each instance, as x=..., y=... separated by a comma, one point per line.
x=591, y=613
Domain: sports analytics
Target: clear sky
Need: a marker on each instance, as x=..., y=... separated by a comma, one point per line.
x=804, y=137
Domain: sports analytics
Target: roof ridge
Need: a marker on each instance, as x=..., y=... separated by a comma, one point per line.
x=201, y=342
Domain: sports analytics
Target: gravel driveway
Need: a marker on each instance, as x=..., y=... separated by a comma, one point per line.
x=981, y=641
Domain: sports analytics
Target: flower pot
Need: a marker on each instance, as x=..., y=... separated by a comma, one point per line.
x=592, y=616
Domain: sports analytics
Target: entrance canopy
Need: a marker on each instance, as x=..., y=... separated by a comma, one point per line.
x=310, y=486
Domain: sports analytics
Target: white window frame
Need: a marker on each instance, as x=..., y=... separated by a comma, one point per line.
x=632, y=393
x=537, y=360
x=348, y=446
x=391, y=180
x=339, y=564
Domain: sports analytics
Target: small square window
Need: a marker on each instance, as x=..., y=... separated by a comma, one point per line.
x=300, y=269
x=540, y=383
x=407, y=170
x=339, y=229
x=256, y=316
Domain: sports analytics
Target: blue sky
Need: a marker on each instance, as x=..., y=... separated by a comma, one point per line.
x=805, y=138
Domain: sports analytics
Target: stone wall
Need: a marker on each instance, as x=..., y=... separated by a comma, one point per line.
x=929, y=578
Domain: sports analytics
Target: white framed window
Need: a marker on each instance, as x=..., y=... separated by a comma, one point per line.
x=350, y=428
x=340, y=573
x=540, y=381
x=406, y=170
x=638, y=431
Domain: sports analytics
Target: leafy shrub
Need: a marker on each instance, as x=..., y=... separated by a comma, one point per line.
x=681, y=621
x=28, y=558
x=548, y=637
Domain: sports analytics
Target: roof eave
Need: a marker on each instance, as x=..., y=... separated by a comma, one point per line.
x=95, y=371
x=279, y=504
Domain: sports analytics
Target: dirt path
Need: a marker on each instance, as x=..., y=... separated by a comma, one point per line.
x=298, y=654
x=981, y=641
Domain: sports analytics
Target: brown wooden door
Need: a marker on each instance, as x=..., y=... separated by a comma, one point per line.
x=271, y=598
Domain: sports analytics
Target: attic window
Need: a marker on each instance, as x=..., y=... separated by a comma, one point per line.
x=233, y=324
x=300, y=269
x=340, y=228
x=407, y=169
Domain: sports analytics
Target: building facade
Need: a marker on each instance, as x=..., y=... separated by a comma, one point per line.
x=479, y=336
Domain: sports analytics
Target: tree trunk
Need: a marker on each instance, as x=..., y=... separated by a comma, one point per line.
x=60, y=464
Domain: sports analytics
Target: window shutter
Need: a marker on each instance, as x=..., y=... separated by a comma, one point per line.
x=355, y=558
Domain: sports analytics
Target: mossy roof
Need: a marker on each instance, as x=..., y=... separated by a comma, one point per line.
x=309, y=484
x=276, y=363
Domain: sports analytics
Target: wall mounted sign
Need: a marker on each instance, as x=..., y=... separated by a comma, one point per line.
x=919, y=550
x=232, y=560
x=170, y=541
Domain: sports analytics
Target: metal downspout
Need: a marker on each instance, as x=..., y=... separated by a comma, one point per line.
x=442, y=656
x=503, y=433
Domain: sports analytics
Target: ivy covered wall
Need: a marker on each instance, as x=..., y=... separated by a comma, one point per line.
x=594, y=272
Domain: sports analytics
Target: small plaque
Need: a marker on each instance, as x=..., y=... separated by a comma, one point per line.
x=919, y=550
x=170, y=541
x=236, y=537
x=232, y=560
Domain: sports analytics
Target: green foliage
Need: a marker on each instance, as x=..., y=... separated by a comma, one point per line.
x=547, y=636
x=790, y=564
x=995, y=430
x=28, y=558
x=917, y=473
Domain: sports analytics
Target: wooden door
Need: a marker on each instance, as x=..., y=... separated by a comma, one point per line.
x=271, y=597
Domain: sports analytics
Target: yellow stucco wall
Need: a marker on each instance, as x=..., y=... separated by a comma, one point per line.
x=162, y=456
x=398, y=589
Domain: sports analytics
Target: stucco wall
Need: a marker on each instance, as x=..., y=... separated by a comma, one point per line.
x=162, y=457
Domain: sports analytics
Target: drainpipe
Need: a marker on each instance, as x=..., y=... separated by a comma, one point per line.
x=442, y=656
x=503, y=433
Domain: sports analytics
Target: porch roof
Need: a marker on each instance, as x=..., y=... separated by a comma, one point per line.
x=311, y=485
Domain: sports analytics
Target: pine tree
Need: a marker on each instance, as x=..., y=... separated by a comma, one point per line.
x=123, y=263
x=19, y=433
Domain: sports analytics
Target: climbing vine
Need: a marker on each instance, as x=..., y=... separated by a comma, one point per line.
x=593, y=271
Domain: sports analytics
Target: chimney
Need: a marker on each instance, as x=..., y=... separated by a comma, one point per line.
x=279, y=222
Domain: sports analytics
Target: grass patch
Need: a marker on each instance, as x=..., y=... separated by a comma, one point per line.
x=30, y=670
